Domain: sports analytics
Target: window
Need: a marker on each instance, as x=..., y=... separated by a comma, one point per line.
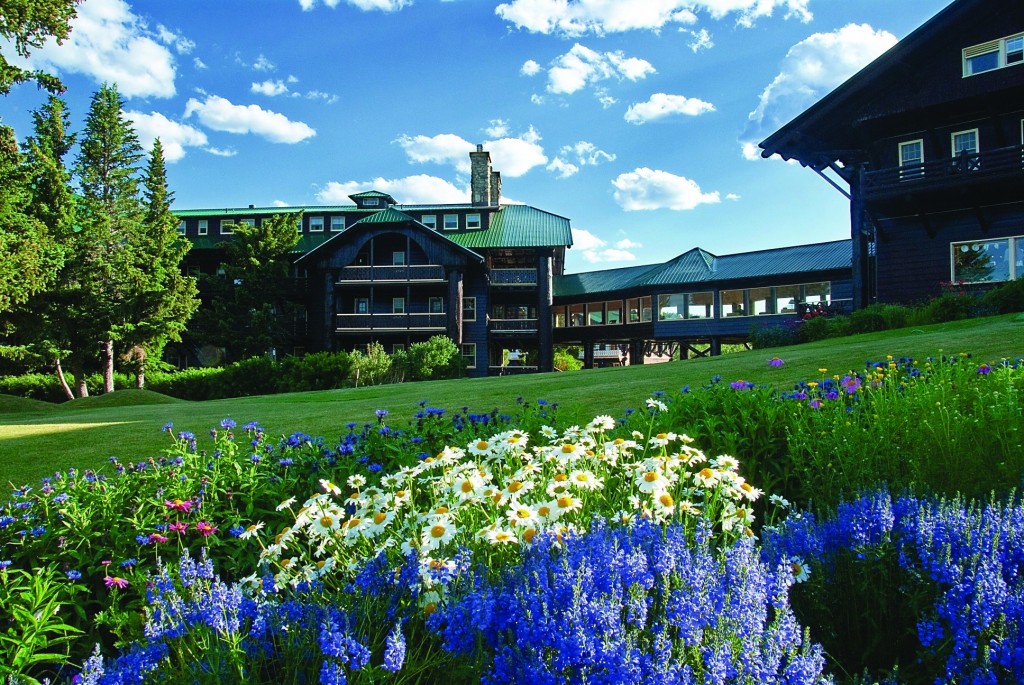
x=786, y=297
x=361, y=305
x=469, y=354
x=988, y=261
x=451, y=222
x=473, y=221
x=225, y=227
x=965, y=150
x=337, y=223
x=436, y=305
x=298, y=224
x=316, y=224
x=371, y=202
x=911, y=159
x=700, y=305
x=558, y=317
x=996, y=54
x=671, y=307
x=645, y=310
x=732, y=302
x=430, y=221
x=817, y=293
x=595, y=314
x=398, y=258
x=577, y=315
x=761, y=301
x=469, y=309
x=203, y=227
x=398, y=305
x=181, y=228
x=613, y=312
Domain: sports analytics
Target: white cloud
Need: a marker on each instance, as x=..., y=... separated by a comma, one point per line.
x=600, y=17
x=812, y=68
x=604, y=97
x=562, y=168
x=221, y=153
x=537, y=99
x=661, y=105
x=750, y=151
x=419, y=189
x=280, y=203
x=646, y=189
x=732, y=196
x=328, y=98
x=585, y=240
x=512, y=156
x=222, y=115
x=270, y=88
x=174, y=137
x=262, y=63
x=112, y=45
x=596, y=250
x=168, y=37
x=529, y=68
x=292, y=78
x=582, y=66
x=497, y=128
x=199, y=64
x=627, y=244
x=365, y=5
x=444, y=148
x=701, y=40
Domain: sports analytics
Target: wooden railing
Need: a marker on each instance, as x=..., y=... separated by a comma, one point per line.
x=513, y=325
x=513, y=276
x=947, y=170
x=390, y=322
x=401, y=274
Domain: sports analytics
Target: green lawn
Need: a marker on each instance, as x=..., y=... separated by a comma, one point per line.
x=37, y=439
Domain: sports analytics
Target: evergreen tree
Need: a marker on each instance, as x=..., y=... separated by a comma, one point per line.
x=110, y=217
x=250, y=312
x=24, y=26
x=166, y=300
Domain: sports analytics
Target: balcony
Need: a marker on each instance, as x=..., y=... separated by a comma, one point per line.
x=998, y=169
x=360, y=323
x=512, y=325
x=428, y=273
x=513, y=277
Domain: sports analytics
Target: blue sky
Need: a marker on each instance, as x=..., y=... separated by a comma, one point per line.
x=634, y=118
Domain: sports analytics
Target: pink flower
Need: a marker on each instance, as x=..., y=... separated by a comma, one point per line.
x=178, y=527
x=775, y=362
x=157, y=538
x=114, y=581
x=105, y=562
x=182, y=505
x=205, y=529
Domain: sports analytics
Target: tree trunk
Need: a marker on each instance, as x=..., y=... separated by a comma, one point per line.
x=108, y=366
x=63, y=379
x=78, y=369
x=139, y=353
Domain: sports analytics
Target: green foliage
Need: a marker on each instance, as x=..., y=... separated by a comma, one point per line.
x=316, y=371
x=824, y=327
x=436, y=359
x=1006, y=298
x=372, y=367
x=566, y=360
x=879, y=317
x=25, y=25
x=777, y=335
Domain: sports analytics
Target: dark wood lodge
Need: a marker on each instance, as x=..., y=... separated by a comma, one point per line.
x=929, y=139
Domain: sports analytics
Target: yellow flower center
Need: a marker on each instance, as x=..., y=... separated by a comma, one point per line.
x=441, y=510
x=651, y=476
x=515, y=486
x=438, y=531
x=544, y=510
x=662, y=436
x=380, y=517
x=326, y=521
x=561, y=477
x=568, y=448
x=529, y=534
x=467, y=487
x=482, y=445
x=564, y=502
x=666, y=500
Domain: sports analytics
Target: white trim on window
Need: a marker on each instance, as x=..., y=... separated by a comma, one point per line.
x=337, y=223
x=204, y=225
x=398, y=258
x=469, y=354
x=371, y=202
x=473, y=221
x=429, y=220
x=451, y=222
x=469, y=309
x=225, y=227
x=435, y=305
x=912, y=157
x=316, y=224
x=181, y=227
x=995, y=54
x=398, y=305
x=990, y=260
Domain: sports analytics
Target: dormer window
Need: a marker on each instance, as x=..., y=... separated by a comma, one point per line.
x=371, y=202
x=996, y=54
x=473, y=221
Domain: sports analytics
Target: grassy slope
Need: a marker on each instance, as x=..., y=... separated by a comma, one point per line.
x=38, y=439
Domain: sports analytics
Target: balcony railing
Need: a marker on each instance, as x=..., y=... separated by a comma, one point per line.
x=964, y=168
x=525, y=277
x=393, y=274
x=513, y=325
x=390, y=322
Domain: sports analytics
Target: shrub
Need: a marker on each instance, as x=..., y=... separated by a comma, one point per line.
x=952, y=306
x=823, y=327
x=565, y=361
x=774, y=336
x=372, y=367
x=879, y=317
x=435, y=359
x=316, y=371
x=1006, y=298
x=196, y=384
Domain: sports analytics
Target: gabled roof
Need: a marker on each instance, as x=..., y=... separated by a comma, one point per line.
x=394, y=217
x=698, y=267
x=369, y=193
x=518, y=226
x=239, y=211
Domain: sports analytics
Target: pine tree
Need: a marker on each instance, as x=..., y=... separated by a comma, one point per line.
x=110, y=217
x=24, y=26
x=167, y=298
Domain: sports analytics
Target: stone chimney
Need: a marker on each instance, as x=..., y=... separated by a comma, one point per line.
x=480, y=177
x=495, y=188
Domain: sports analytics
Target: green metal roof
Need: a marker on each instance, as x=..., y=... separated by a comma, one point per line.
x=518, y=226
x=386, y=216
x=239, y=211
x=699, y=266
x=370, y=193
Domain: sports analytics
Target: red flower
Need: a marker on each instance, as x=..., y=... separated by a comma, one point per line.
x=205, y=529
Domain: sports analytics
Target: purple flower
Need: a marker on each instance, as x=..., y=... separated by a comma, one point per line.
x=775, y=362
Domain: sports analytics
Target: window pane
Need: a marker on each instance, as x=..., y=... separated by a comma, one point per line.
x=633, y=307
x=761, y=301
x=984, y=62
x=577, y=315
x=965, y=142
x=786, y=297
x=645, y=310
x=398, y=305
x=1018, y=259
x=613, y=312
x=700, y=305
x=1015, y=50
x=817, y=293
x=732, y=303
x=671, y=307
x=595, y=314
x=982, y=262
